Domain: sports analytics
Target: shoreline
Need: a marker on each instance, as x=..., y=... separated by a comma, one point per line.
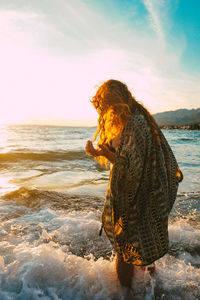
x=183, y=127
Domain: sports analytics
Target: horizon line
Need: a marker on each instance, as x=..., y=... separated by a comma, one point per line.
x=54, y=124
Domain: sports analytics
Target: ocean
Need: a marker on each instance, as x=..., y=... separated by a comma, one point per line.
x=51, y=199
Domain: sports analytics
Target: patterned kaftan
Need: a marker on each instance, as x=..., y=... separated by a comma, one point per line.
x=141, y=191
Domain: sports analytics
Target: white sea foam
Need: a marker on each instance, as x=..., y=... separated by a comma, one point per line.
x=45, y=268
x=181, y=231
x=48, y=268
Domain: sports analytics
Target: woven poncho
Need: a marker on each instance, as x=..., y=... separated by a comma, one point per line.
x=141, y=191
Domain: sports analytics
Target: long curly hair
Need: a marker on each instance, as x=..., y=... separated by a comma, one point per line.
x=115, y=104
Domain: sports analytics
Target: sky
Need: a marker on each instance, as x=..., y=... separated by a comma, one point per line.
x=55, y=53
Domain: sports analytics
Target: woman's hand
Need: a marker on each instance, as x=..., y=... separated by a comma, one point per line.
x=101, y=151
x=90, y=150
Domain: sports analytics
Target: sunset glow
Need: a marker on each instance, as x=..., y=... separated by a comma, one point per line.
x=53, y=57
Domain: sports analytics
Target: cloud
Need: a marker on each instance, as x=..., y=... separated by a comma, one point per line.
x=54, y=53
x=62, y=27
x=74, y=27
x=155, y=8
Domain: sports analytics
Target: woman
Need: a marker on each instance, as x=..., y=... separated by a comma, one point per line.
x=143, y=180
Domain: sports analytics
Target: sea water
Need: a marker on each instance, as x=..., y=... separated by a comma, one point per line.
x=51, y=199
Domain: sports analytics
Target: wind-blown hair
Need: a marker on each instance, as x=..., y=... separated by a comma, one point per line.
x=115, y=104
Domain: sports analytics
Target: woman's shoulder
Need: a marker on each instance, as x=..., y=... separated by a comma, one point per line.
x=137, y=127
x=138, y=120
x=138, y=117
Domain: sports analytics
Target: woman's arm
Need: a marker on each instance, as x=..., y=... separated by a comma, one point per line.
x=101, y=151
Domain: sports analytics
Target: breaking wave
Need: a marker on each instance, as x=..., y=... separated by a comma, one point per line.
x=50, y=249
x=43, y=156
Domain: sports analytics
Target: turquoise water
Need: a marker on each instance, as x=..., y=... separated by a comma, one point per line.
x=52, y=196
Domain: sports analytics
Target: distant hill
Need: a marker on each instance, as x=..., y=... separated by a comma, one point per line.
x=178, y=117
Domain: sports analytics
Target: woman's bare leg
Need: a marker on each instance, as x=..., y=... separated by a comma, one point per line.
x=124, y=271
x=152, y=269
